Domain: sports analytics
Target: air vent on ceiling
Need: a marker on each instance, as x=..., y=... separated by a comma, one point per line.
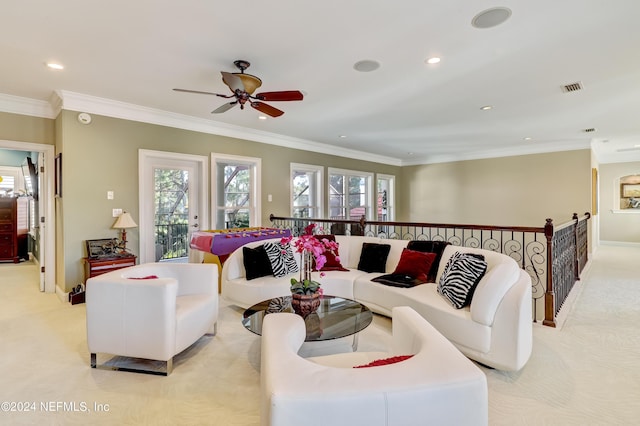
x=589, y=130
x=572, y=87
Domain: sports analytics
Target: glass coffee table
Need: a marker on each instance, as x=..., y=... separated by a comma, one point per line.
x=336, y=317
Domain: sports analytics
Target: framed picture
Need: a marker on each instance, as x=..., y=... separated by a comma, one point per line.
x=107, y=247
x=58, y=175
x=628, y=190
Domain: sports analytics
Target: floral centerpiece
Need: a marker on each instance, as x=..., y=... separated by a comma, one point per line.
x=310, y=248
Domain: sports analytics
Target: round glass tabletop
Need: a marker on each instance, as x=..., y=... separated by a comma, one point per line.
x=336, y=317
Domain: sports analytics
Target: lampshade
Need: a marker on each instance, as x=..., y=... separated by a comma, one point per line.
x=124, y=221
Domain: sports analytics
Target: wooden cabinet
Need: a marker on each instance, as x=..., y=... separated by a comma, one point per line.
x=98, y=266
x=14, y=227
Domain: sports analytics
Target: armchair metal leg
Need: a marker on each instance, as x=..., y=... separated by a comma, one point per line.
x=214, y=332
x=168, y=367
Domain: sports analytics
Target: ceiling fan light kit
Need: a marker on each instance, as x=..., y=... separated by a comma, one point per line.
x=242, y=87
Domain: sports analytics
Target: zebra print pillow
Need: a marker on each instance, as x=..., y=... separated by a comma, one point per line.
x=460, y=276
x=281, y=258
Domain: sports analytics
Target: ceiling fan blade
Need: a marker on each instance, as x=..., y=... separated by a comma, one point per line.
x=200, y=92
x=267, y=109
x=224, y=107
x=285, y=95
x=233, y=81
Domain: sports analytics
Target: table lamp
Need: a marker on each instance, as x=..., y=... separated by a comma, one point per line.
x=123, y=222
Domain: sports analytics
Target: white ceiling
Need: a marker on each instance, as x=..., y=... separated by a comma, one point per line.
x=135, y=52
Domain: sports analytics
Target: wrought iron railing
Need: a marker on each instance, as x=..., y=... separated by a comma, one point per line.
x=569, y=247
x=543, y=252
x=171, y=241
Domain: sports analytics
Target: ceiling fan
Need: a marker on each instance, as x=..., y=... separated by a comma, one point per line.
x=242, y=87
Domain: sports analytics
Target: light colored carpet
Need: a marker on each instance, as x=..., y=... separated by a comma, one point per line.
x=586, y=373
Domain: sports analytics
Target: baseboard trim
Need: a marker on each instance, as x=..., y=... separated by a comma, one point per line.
x=619, y=243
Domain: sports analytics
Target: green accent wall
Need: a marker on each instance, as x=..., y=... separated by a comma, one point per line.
x=103, y=156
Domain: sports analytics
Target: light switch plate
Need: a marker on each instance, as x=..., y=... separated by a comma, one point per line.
x=109, y=195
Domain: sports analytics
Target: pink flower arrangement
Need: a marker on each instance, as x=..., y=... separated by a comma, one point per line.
x=309, y=246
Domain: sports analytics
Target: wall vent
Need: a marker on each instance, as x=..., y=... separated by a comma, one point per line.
x=572, y=87
x=589, y=130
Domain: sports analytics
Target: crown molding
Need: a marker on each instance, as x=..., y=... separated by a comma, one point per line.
x=506, y=152
x=116, y=109
x=63, y=99
x=26, y=106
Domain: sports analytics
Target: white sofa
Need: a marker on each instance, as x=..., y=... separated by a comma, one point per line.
x=495, y=330
x=437, y=385
x=133, y=314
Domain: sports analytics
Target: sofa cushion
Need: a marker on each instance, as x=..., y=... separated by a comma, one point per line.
x=373, y=257
x=412, y=269
x=333, y=259
x=256, y=262
x=461, y=275
x=455, y=324
x=429, y=246
x=492, y=288
x=415, y=264
x=281, y=258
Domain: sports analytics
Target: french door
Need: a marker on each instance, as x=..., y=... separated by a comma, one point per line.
x=173, y=204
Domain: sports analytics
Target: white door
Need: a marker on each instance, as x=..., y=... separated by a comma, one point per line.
x=173, y=204
x=46, y=215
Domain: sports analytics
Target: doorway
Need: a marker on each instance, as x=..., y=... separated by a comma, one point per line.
x=46, y=218
x=173, y=204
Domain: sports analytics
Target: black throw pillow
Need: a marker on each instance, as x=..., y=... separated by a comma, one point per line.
x=373, y=257
x=428, y=246
x=256, y=262
x=397, y=280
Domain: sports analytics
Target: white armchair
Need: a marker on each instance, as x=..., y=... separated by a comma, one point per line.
x=438, y=385
x=152, y=311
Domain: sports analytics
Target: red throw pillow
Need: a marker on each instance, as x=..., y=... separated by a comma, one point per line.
x=416, y=264
x=385, y=361
x=332, y=264
x=148, y=277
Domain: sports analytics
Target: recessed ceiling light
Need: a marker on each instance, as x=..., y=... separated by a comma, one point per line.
x=55, y=66
x=409, y=153
x=527, y=138
x=366, y=65
x=342, y=136
x=491, y=17
x=486, y=107
x=433, y=60
x=262, y=117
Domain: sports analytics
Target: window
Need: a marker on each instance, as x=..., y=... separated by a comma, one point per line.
x=306, y=190
x=350, y=194
x=236, y=191
x=11, y=181
x=386, y=198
